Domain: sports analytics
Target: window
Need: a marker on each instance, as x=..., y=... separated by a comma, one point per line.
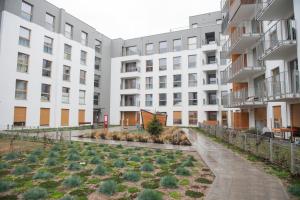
x=162, y=64
x=148, y=100
x=192, y=43
x=45, y=92
x=83, y=57
x=24, y=37
x=149, y=48
x=212, y=116
x=97, y=81
x=81, y=97
x=129, y=67
x=129, y=83
x=149, y=65
x=211, y=58
x=193, y=100
x=84, y=38
x=163, y=82
x=149, y=82
x=211, y=78
x=21, y=90
x=46, y=71
x=98, y=46
x=163, y=47
x=210, y=38
x=66, y=73
x=212, y=98
x=224, y=98
x=192, y=61
x=177, y=62
x=49, y=22
x=69, y=31
x=98, y=63
x=177, y=117
x=193, y=80
x=26, y=11
x=176, y=80
x=67, y=52
x=177, y=99
x=96, y=98
x=177, y=44
x=193, y=117
x=65, y=95
x=131, y=51
x=82, y=77
x=162, y=99
x=48, y=45
x=23, y=62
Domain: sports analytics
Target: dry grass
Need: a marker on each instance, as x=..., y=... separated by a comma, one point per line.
x=18, y=145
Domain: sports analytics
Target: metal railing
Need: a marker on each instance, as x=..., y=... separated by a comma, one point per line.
x=262, y=6
x=236, y=4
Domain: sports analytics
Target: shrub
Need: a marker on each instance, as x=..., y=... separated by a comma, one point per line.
x=35, y=193
x=42, y=175
x=135, y=158
x=52, y=154
x=203, y=180
x=131, y=176
x=149, y=194
x=119, y=146
x=91, y=153
x=37, y=152
x=108, y=187
x=155, y=127
x=55, y=147
x=72, y=181
x=31, y=158
x=119, y=163
x=169, y=182
x=294, y=189
x=112, y=155
x=74, y=166
x=161, y=160
x=21, y=169
x=67, y=197
x=51, y=162
x=151, y=184
x=133, y=190
x=11, y=156
x=147, y=167
x=6, y=185
x=187, y=163
x=175, y=195
x=181, y=171
x=73, y=157
x=100, y=170
x=95, y=160
x=194, y=194
x=3, y=165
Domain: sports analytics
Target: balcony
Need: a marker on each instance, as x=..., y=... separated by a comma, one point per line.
x=284, y=86
x=278, y=42
x=225, y=23
x=273, y=10
x=241, y=10
x=210, y=84
x=129, y=101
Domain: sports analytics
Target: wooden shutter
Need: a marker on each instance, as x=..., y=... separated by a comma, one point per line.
x=65, y=117
x=260, y=114
x=241, y=120
x=295, y=115
x=20, y=114
x=44, y=116
x=81, y=116
x=277, y=116
x=129, y=118
x=177, y=117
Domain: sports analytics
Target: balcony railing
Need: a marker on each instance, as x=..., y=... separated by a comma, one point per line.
x=283, y=86
x=236, y=4
x=225, y=23
x=269, y=10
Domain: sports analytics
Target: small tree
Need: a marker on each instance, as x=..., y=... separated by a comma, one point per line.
x=155, y=127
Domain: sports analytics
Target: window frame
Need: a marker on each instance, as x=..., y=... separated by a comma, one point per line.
x=23, y=41
x=148, y=102
x=162, y=101
x=46, y=70
x=65, y=95
x=67, y=54
x=45, y=95
x=175, y=82
x=66, y=77
x=48, y=47
x=162, y=64
x=23, y=65
x=82, y=77
x=67, y=33
x=82, y=98
x=20, y=92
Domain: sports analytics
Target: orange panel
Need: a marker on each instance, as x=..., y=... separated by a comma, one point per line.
x=65, y=117
x=129, y=118
x=295, y=112
x=81, y=116
x=148, y=116
x=239, y=86
x=20, y=114
x=241, y=120
x=44, y=116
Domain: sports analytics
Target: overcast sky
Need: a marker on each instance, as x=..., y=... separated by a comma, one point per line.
x=135, y=18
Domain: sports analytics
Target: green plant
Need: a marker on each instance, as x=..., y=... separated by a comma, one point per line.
x=187, y=163
x=11, y=156
x=74, y=166
x=151, y=184
x=155, y=127
x=67, y=197
x=91, y=153
x=35, y=193
x=184, y=182
x=37, y=152
x=73, y=157
x=135, y=158
x=51, y=162
x=169, y=182
x=72, y=181
x=194, y=194
x=42, y=175
x=181, y=171
x=108, y=187
x=119, y=163
x=131, y=176
x=175, y=195
x=31, y=158
x=133, y=190
x=295, y=189
x=112, y=155
x=161, y=160
x=147, y=167
x=203, y=180
x=21, y=169
x=100, y=170
x=95, y=160
x=149, y=194
x=3, y=165
x=6, y=185
x=53, y=154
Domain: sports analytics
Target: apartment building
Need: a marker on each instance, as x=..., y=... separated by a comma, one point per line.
x=176, y=73
x=263, y=72
x=50, y=63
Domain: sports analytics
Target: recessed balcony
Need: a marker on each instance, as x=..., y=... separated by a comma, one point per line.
x=241, y=10
x=271, y=10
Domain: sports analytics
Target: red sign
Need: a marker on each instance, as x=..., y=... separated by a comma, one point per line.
x=105, y=121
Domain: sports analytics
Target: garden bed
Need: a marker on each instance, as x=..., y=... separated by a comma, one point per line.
x=98, y=171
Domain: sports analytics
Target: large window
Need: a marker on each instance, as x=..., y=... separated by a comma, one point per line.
x=149, y=82
x=212, y=78
x=212, y=98
x=148, y=100
x=65, y=95
x=67, y=52
x=162, y=99
x=66, y=73
x=149, y=48
x=193, y=117
x=83, y=57
x=49, y=22
x=192, y=43
x=69, y=31
x=129, y=67
x=24, y=37
x=46, y=71
x=177, y=118
x=163, y=82
x=149, y=65
x=193, y=80
x=82, y=77
x=192, y=61
x=131, y=51
x=97, y=79
x=26, y=11
x=21, y=90
x=193, y=100
x=177, y=101
x=177, y=80
x=96, y=98
x=163, y=47
x=177, y=62
x=23, y=62
x=177, y=45
x=48, y=45
x=84, y=38
x=212, y=116
x=98, y=46
x=162, y=64
x=98, y=63
x=81, y=97
x=45, y=92
x=224, y=98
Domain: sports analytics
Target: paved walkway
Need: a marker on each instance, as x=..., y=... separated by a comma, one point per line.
x=236, y=178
